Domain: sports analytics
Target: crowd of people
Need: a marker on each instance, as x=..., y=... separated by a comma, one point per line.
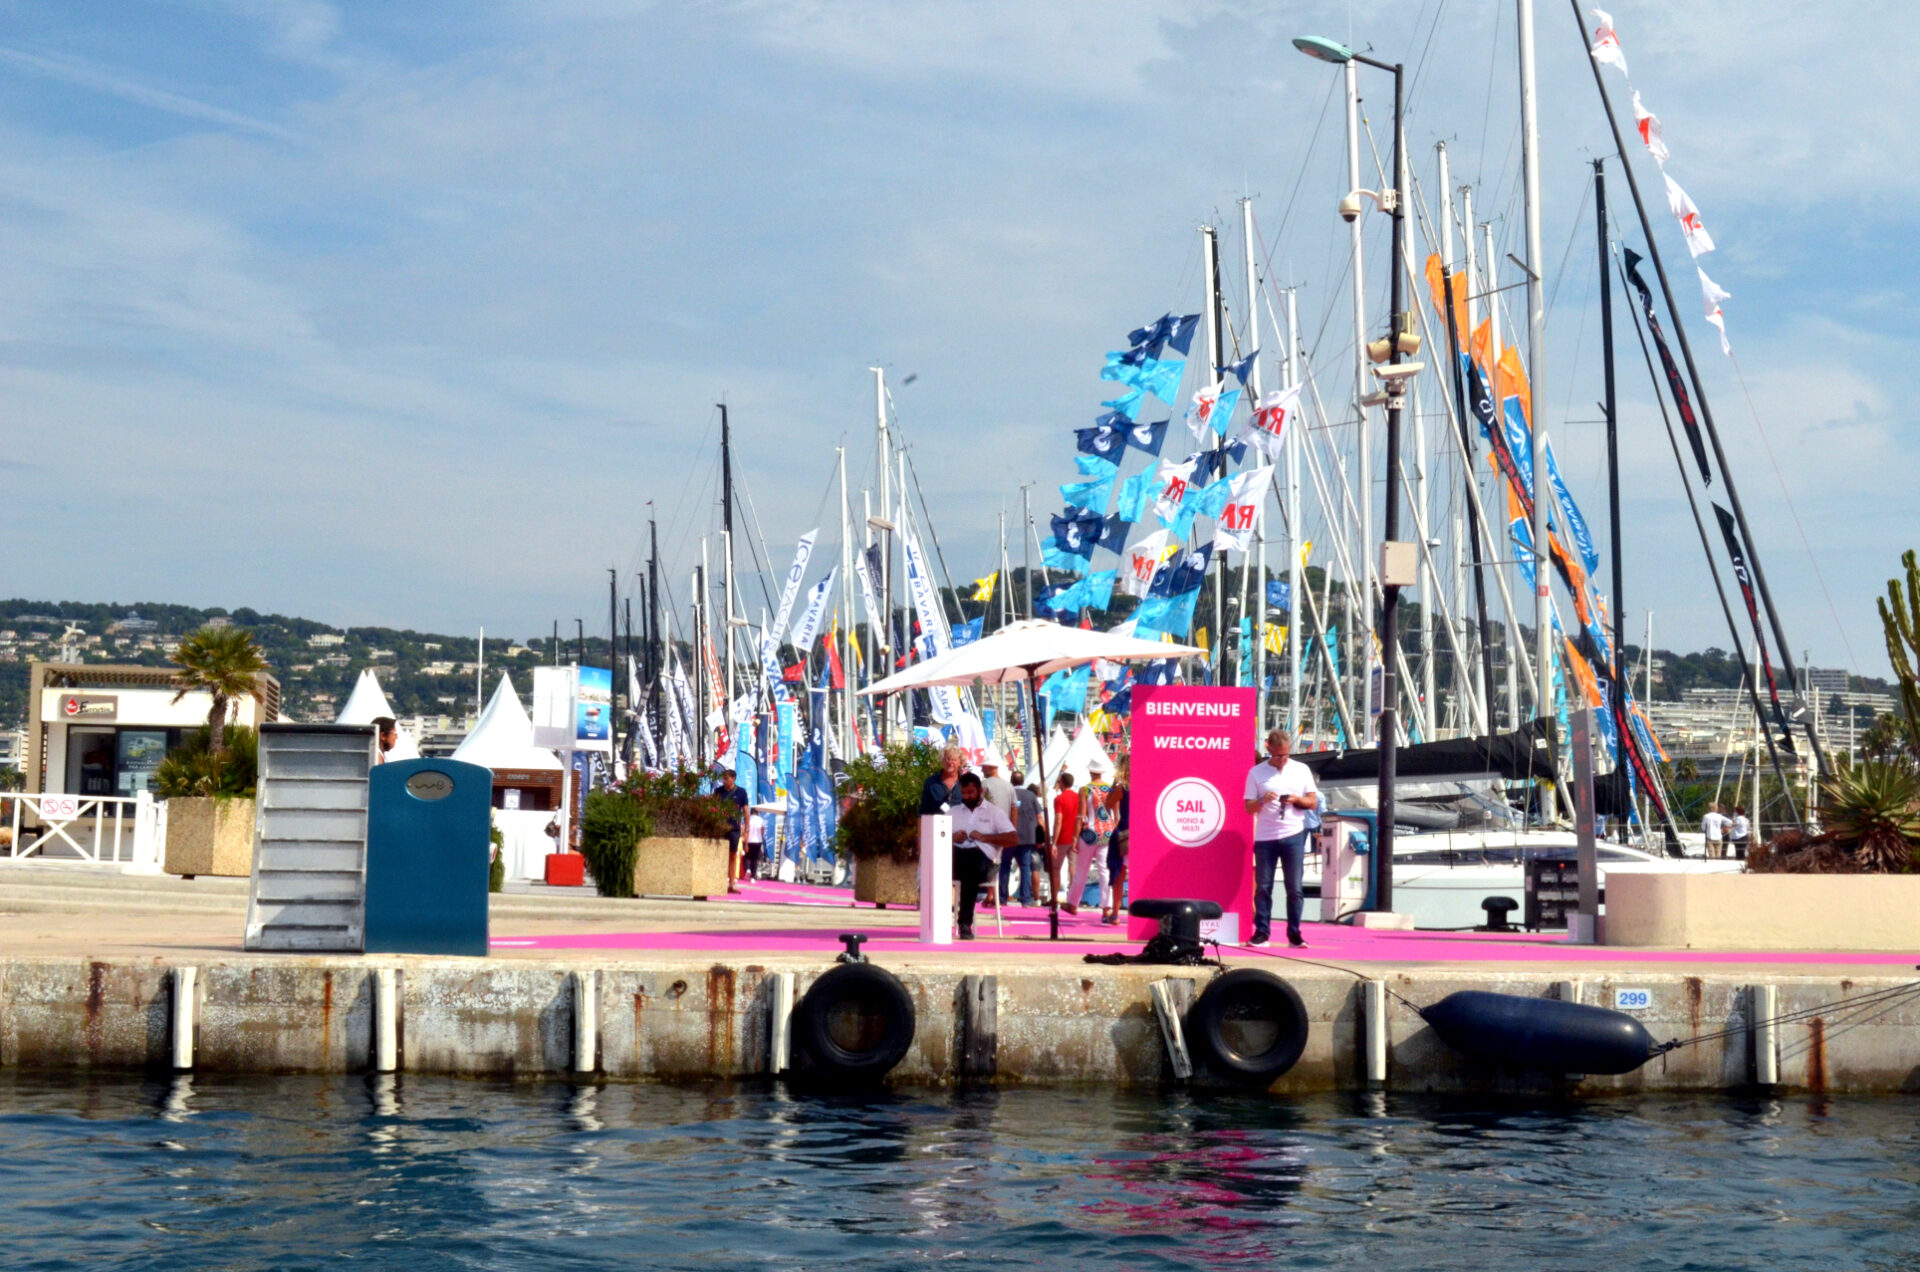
x=1010, y=843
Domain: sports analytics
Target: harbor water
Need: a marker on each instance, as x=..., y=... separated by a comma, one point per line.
x=429, y=1174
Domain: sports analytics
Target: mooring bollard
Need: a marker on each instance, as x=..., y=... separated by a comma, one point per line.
x=586, y=1021
x=1568, y=991
x=1374, y=1010
x=386, y=1020
x=184, y=979
x=1763, y=1006
x=780, y=1022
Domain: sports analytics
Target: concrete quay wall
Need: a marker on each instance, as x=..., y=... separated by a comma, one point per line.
x=683, y=1017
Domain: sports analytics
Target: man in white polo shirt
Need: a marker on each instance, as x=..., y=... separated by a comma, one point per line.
x=980, y=832
x=1280, y=790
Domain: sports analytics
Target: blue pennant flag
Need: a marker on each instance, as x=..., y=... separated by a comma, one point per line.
x=1158, y=672
x=1099, y=586
x=1241, y=369
x=1148, y=437
x=1182, y=574
x=1088, y=494
x=1180, y=336
x=1210, y=461
x=1095, y=466
x=1076, y=533
x=1237, y=452
x=1055, y=557
x=1153, y=335
x=1179, y=525
x=1279, y=595
x=1136, y=493
x=1066, y=691
x=1576, y=524
x=1208, y=501
x=1127, y=404
x=1046, y=601
x=1113, y=419
x=968, y=632
x=1162, y=378
x=1113, y=532
x=1120, y=703
x=1101, y=439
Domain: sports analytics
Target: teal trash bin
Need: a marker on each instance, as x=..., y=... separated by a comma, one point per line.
x=428, y=849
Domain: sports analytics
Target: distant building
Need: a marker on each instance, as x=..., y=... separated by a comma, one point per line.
x=134, y=623
x=103, y=730
x=326, y=640
x=219, y=621
x=1825, y=679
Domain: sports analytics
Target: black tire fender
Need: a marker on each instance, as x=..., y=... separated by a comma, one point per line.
x=1215, y=1030
x=854, y=1023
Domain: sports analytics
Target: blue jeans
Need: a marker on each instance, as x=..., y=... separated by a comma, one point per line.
x=1289, y=854
x=1023, y=854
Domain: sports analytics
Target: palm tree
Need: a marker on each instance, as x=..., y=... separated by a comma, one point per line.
x=224, y=662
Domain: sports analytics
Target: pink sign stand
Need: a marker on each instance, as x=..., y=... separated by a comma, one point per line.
x=1190, y=836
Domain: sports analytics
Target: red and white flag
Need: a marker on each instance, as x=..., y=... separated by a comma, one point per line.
x=1699, y=242
x=1649, y=125
x=1606, y=44
x=1234, y=529
x=1142, y=559
x=1267, y=429
x=1711, y=294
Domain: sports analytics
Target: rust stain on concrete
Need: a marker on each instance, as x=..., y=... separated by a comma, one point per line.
x=96, y=995
x=326, y=1006
x=1694, y=989
x=1817, y=1054
x=720, y=1019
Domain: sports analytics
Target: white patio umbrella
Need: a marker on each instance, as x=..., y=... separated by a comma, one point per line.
x=1031, y=651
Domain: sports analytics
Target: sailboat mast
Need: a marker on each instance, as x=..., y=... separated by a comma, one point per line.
x=1258, y=610
x=1296, y=566
x=1608, y=407
x=656, y=665
x=1216, y=355
x=848, y=746
x=1536, y=359
x=726, y=530
x=884, y=460
x=613, y=663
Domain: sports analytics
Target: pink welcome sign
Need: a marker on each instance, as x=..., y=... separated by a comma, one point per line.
x=1190, y=836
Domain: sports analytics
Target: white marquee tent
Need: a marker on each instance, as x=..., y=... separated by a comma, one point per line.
x=502, y=740
x=367, y=703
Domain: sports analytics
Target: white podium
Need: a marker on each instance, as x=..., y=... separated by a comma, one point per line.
x=936, y=879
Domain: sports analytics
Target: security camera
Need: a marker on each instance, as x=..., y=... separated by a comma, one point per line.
x=1399, y=371
x=1350, y=207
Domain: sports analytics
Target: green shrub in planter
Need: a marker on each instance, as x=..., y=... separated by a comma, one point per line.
x=610, y=833
x=190, y=769
x=883, y=818
x=497, y=867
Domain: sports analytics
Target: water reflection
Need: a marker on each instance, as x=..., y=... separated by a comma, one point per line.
x=430, y=1174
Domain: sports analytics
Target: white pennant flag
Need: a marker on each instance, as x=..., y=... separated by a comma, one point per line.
x=1143, y=558
x=1266, y=430
x=1234, y=529
x=808, y=627
x=1711, y=294
x=1203, y=411
x=1606, y=44
x=1699, y=242
x=1649, y=125
x=1175, y=477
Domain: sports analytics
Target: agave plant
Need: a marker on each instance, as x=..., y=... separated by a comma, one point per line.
x=1873, y=807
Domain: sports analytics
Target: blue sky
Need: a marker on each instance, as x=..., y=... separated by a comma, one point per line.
x=401, y=314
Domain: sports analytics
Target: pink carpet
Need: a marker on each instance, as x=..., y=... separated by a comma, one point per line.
x=1025, y=931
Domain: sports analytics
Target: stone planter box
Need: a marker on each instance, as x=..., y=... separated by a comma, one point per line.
x=1761, y=911
x=207, y=836
x=884, y=881
x=680, y=868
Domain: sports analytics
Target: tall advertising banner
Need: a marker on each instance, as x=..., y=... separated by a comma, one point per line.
x=1190, y=835
x=593, y=710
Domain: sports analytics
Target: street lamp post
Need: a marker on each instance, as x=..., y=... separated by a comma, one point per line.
x=1397, y=343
